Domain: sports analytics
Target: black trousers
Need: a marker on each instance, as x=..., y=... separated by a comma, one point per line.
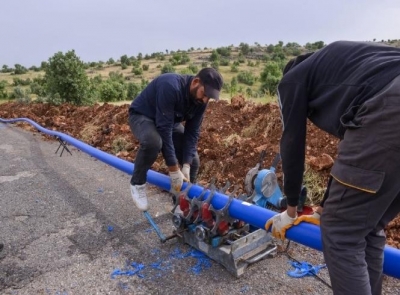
x=144, y=129
x=364, y=195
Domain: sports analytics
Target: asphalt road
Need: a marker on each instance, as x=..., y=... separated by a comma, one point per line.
x=70, y=227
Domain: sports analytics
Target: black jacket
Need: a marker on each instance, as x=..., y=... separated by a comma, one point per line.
x=327, y=88
x=167, y=101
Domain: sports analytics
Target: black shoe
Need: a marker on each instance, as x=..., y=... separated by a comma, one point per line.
x=1, y=247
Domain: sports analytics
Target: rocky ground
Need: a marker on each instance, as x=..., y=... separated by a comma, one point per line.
x=232, y=138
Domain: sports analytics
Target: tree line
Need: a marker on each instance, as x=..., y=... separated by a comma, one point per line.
x=65, y=78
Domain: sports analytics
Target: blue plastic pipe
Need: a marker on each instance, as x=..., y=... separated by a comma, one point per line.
x=305, y=234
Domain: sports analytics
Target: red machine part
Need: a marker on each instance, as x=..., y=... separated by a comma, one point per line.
x=184, y=205
x=307, y=210
x=208, y=220
x=207, y=216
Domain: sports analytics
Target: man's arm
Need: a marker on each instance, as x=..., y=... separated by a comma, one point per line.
x=294, y=107
x=192, y=133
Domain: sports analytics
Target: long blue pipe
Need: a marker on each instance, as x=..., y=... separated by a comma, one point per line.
x=306, y=234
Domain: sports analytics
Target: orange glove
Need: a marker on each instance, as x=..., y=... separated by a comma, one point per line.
x=314, y=219
x=279, y=224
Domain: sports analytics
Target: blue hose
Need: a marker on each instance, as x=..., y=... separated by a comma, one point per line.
x=305, y=233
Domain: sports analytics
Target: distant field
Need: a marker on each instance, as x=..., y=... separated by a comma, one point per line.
x=197, y=57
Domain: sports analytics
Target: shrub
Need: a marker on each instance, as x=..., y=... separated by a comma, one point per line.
x=215, y=65
x=137, y=71
x=224, y=62
x=20, y=69
x=133, y=91
x=224, y=51
x=246, y=78
x=112, y=91
x=234, y=68
x=167, y=68
x=3, y=92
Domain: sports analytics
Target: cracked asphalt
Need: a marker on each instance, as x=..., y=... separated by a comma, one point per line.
x=69, y=226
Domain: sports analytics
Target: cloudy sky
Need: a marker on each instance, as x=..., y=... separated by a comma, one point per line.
x=33, y=31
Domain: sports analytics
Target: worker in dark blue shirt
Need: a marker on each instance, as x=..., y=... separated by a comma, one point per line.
x=156, y=117
x=352, y=91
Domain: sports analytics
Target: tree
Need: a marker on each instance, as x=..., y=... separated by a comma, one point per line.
x=3, y=92
x=315, y=46
x=6, y=69
x=44, y=65
x=66, y=76
x=270, y=77
x=224, y=51
x=20, y=69
x=214, y=56
x=244, y=48
x=234, y=85
x=125, y=60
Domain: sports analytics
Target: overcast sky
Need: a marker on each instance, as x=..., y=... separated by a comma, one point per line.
x=33, y=31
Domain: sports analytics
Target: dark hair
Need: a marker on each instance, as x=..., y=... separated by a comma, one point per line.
x=295, y=61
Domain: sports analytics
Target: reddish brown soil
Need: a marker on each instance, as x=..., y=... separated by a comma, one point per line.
x=232, y=138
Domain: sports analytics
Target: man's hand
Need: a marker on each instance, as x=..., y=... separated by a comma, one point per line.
x=280, y=223
x=314, y=219
x=186, y=171
x=177, y=179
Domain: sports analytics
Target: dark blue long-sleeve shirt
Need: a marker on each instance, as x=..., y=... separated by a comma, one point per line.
x=167, y=101
x=327, y=88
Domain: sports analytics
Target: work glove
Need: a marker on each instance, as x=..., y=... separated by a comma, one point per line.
x=313, y=218
x=279, y=224
x=186, y=171
x=177, y=179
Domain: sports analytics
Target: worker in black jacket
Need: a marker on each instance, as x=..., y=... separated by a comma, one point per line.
x=156, y=117
x=352, y=91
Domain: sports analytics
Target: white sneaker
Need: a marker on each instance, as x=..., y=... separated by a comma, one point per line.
x=139, y=196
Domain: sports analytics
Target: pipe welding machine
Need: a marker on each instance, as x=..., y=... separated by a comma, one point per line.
x=228, y=241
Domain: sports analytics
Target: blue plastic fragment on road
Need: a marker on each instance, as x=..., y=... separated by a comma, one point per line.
x=303, y=269
x=245, y=289
x=110, y=228
x=129, y=272
x=203, y=262
x=161, y=266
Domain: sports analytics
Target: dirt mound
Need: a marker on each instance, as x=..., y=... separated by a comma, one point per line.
x=232, y=137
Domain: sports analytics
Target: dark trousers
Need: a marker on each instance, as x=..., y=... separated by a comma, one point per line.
x=145, y=131
x=364, y=195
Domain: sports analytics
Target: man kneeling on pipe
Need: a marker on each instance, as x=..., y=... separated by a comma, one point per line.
x=156, y=117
